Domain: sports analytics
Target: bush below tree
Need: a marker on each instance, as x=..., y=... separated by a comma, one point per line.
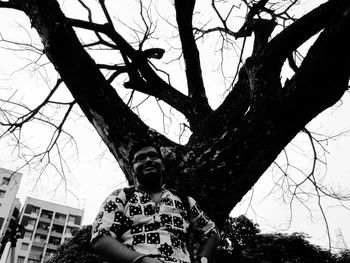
x=241, y=242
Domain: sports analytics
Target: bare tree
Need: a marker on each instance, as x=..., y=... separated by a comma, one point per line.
x=230, y=146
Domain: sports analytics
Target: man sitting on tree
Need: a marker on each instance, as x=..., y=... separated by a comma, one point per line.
x=150, y=224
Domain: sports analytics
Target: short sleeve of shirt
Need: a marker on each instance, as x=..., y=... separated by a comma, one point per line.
x=201, y=225
x=110, y=218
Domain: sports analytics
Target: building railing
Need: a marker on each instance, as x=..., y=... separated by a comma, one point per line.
x=41, y=231
x=56, y=234
x=35, y=255
x=59, y=221
x=39, y=243
x=52, y=246
x=45, y=219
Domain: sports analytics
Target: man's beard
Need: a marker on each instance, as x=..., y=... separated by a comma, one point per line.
x=149, y=179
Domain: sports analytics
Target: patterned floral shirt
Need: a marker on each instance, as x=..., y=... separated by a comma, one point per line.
x=158, y=230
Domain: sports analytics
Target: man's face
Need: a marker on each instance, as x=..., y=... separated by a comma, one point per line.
x=147, y=165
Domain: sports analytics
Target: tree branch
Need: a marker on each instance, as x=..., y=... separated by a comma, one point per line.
x=262, y=130
x=249, y=24
x=105, y=11
x=117, y=125
x=25, y=118
x=196, y=90
x=152, y=84
x=327, y=64
x=99, y=37
x=262, y=31
x=281, y=46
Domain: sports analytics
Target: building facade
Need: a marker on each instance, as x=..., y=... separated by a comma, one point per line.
x=47, y=225
x=9, y=204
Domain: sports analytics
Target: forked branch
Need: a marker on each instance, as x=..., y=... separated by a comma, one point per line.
x=148, y=82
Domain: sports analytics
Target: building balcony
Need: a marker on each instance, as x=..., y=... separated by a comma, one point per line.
x=59, y=222
x=33, y=214
x=70, y=223
x=38, y=243
x=52, y=246
x=47, y=258
x=35, y=255
x=55, y=234
x=45, y=219
x=21, y=253
x=41, y=231
x=68, y=235
x=29, y=227
x=26, y=239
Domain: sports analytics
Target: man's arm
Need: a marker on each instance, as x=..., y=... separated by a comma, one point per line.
x=114, y=251
x=206, y=231
x=208, y=248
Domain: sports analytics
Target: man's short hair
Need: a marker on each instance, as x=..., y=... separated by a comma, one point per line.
x=139, y=145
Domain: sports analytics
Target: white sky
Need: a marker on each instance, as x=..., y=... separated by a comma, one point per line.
x=93, y=173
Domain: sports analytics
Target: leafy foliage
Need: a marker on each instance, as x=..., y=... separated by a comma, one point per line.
x=279, y=247
x=241, y=242
x=77, y=249
x=239, y=232
x=260, y=112
x=344, y=256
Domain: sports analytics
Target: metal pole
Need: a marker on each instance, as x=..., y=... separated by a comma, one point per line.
x=6, y=252
x=12, y=251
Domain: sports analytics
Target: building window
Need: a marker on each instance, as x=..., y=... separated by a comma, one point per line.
x=57, y=229
x=74, y=219
x=70, y=230
x=71, y=219
x=28, y=222
x=24, y=246
x=28, y=234
x=36, y=250
x=60, y=217
x=35, y=210
x=54, y=241
x=20, y=259
x=30, y=209
x=43, y=226
x=5, y=181
x=40, y=238
x=15, y=212
x=1, y=222
x=46, y=214
x=31, y=222
x=2, y=193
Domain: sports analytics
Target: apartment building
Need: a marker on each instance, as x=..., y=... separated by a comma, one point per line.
x=9, y=204
x=47, y=225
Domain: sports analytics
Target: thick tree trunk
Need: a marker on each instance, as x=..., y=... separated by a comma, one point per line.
x=233, y=146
